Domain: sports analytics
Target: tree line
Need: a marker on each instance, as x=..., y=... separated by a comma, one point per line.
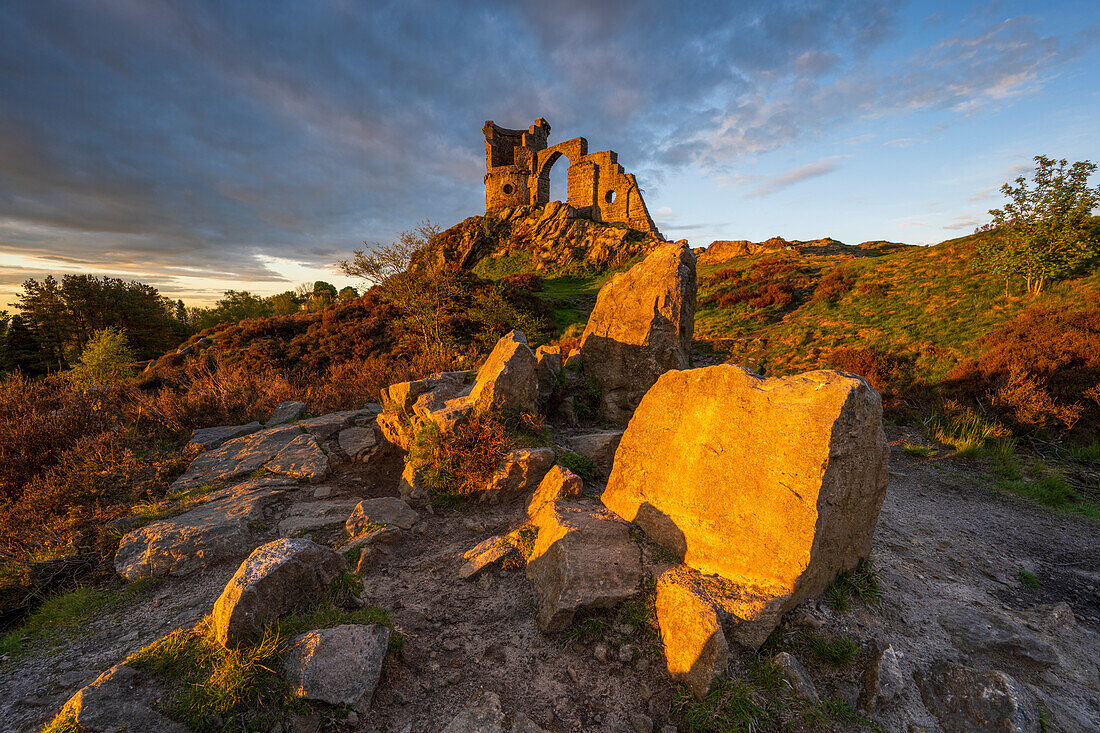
x=55, y=320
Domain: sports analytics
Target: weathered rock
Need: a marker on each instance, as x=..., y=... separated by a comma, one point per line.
x=582, y=558
x=796, y=676
x=966, y=700
x=444, y=407
x=522, y=471
x=339, y=665
x=508, y=380
x=488, y=553
x=285, y=412
x=483, y=715
x=217, y=531
x=402, y=396
x=979, y=632
x=598, y=447
x=276, y=578
x=309, y=516
x=236, y=457
x=326, y=426
x=396, y=428
x=357, y=442
x=384, y=510
x=797, y=465
x=549, y=365
x=641, y=723
x=120, y=700
x=301, y=458
x=883, y=680
x=210, y=438
x=411, y=486
x=641, y=327
x=558, y=483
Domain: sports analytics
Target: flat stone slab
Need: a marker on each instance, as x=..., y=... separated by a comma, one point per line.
x=340, y=665
x=356, y=442
x=217, y=531
x=491, y=552
x=209, y=438
x=285, y=412
x=236, y=457
x=301, y=458
x=313, y=515
x=387, y=510
x=121, y=699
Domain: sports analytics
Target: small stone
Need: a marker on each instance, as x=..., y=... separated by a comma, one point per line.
x=626, y=653
x=322, y=492
x=883, y=680
x=641, y=723
x=599, y=651
x=796, y=676
x=385, y=511
x=352, y=719
x=285, y=412
x=572, y=674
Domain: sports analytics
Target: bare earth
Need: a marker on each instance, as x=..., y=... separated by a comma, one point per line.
x=945, y=542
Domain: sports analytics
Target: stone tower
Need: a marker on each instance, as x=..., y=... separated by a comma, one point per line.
x=517, y=173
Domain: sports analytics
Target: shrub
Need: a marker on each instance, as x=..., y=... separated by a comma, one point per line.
x=773, y=281
x=837, y=282
x=106, y=359
x=890, y=373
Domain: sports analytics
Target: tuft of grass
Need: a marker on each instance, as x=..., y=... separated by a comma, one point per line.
x=1043, y=484
x=836, y=651
x=1085, y=453
x=968, y=432
x=578, y=464
x=747, y=703
x=586, y=630
x=1028, y=579
x=240, y=688
x=918, y=451
x=861, y=583
x=64, y=722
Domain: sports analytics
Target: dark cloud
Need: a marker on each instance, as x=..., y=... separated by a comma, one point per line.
x=206, y=134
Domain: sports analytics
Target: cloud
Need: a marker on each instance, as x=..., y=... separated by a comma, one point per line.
x=789, y=177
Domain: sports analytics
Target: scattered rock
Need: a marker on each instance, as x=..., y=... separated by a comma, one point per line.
x=217, y=531
x=275, y=578
x=357, y=442
x=1053, y=618
x=883, y=680
x=285, y=412
x=491, y=552
x=796, y=676
x=692, y=626
x=210, y=438
x=522, y=471
x=384, y=510
x=444, y=407
x=401, y=397
x=797, y=465
x=558, y=483
x=339, y=665
x=120, y=700
x=309, y=516
x=582, y=558
x=964, y=700
x=979, y=632
x=483, y=715
x=236, y=457
x=508, y=380
x=301, y=458
x=549, y=366
x=411, y=486
x=641, y=723
x=641, y=327
x=598, y=447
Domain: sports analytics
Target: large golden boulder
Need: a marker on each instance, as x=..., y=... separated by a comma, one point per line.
x=772, y=483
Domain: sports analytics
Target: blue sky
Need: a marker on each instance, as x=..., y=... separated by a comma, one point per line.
x=201, y=146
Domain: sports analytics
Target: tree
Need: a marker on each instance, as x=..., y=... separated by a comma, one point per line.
x=347, y=293
x=426, y=297
x=106, y=359
x=1044, y=230
x=283, y=304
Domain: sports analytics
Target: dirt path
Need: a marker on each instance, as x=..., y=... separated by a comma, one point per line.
x=943, y=543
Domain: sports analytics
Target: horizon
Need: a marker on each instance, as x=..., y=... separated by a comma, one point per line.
x=252, y=147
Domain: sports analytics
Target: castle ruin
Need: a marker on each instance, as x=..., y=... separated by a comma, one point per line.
x=517, y=173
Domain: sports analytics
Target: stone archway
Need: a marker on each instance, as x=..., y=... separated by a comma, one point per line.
x=573, y=150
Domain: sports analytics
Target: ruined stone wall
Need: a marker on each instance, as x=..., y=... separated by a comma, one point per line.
x=518, y=165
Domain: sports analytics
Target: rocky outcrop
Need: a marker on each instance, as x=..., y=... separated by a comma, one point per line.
x=121, y=699
x=521, y=472
x=275, y=579
x=210, y=438
x=964, y=700
x=582, y=558
x=558, y=483
x=797, y=466
x=722, y=250
x=236, y=457
x=508, y=380
x=598, y=447
x=386, y=510
x=285, y=412
x=301, y=458
x=217, y=531
x=641, y=327
x=339, y=665
x=311, y=516
x=550, y=363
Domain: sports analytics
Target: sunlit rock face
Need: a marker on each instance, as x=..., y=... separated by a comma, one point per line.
x=774, y=484
x=641, y=327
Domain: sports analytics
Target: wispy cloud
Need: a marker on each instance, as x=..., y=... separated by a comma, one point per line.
x=790, y=177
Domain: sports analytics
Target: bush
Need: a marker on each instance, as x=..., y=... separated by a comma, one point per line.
x=106, y=359
x=890, y=373
x=774, y=281
x=837, y=282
